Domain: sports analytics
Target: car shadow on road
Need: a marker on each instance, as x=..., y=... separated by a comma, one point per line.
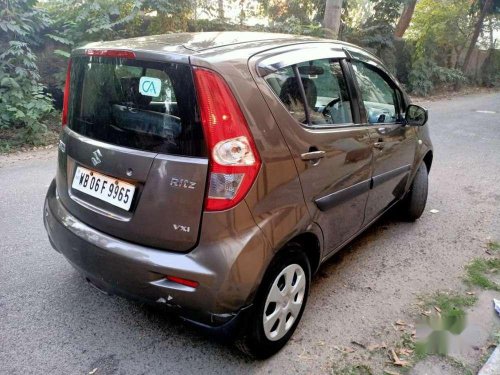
x=360, y=243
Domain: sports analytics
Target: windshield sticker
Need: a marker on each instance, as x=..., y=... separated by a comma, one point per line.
x=150, y=86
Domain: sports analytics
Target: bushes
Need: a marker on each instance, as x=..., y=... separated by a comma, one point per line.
x=23, y=103
x=490, y=73
x=426, y=75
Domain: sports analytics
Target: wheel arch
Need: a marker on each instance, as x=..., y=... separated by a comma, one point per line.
x=428, y=160
x=310, y=244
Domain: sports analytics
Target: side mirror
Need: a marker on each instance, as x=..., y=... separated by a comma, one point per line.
x=416, y=115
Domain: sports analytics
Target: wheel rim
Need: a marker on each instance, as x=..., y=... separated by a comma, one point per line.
x=284, y=302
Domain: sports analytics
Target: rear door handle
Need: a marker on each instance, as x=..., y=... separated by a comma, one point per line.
x=313, y=155
x=379, y=145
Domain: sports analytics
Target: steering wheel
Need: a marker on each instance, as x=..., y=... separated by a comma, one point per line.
x=326, y=110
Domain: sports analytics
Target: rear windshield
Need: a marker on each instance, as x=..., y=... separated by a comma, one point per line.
x=144, y=105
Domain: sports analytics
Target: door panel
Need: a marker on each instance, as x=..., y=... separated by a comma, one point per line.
x=393, y=143
x=333, y=159
x=391, y=165
x=336, y=186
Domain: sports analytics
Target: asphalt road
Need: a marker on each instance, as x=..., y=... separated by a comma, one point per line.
x=52, y=322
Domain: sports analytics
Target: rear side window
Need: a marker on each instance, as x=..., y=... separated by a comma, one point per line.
x=144, y=105
x=284, y=83
x=326, y=95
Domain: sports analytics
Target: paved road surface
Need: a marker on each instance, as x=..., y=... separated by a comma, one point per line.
x=52, y=322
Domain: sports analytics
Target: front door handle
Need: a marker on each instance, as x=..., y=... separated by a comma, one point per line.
x=379, y=145
x=313, y=155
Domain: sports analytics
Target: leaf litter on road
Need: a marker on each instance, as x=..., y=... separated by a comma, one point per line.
x=398, y=361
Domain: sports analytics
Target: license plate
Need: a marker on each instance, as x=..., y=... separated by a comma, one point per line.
x=108, y=189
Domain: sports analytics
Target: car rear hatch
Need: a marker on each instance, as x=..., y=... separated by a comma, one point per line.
x=132, y=158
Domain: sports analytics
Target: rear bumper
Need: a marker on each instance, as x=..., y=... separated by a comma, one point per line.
x=137, y=272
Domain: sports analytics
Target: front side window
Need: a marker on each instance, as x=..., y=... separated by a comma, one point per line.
x=379, y=97
x=325, y=100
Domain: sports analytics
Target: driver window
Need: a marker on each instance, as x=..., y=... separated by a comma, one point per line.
x=379, y=97
x=325, y=88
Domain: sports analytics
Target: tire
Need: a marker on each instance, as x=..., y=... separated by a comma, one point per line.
x=413, y=203
x=261, y=340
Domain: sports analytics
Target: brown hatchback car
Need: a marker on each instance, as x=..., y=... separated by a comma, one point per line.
x=213, y=173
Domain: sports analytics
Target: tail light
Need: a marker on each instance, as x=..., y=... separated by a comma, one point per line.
x=234, y=160
x=64, y=116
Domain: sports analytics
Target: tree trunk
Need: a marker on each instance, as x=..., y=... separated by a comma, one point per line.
x=220, y=9
x=492, y=34
x=477, y=30
x=405, y=19
x=331, y=21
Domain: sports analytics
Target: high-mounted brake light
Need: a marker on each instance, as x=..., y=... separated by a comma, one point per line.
x=118, y=53
x=64, y=115
x=234, y=160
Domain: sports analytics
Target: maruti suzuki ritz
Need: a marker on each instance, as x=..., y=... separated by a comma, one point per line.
x=213, y=173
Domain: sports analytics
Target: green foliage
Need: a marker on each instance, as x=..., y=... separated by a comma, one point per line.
x=493, y=245
x=449, y=302
x=306, y=11
x=23, y=103
x=376, y=32
x=293, y=25
x=425, y=75
x=479, y=273
x=440, y=30
x=36, y=38
x=76, y=22
x=490, y=77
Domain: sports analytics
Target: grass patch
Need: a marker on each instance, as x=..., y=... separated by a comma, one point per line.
x=480, y=270
x=449, y=303
x=445, y=314
x=493, y=246
x=407, y=341
x=459, y=365
x=359, y=369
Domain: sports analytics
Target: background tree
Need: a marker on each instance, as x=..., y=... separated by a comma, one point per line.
x=331, y=21
x=220, y=9
x=439, y=32
x=421, y=41
x=486, y=7
x=405, y=19
x=375, y=30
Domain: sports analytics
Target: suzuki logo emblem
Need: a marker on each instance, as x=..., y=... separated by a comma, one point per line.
x=96, y=157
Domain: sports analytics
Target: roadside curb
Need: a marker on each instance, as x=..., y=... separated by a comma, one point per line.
x=492, y=366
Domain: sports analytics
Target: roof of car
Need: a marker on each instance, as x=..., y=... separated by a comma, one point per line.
x=207, y=45
x=192, y=43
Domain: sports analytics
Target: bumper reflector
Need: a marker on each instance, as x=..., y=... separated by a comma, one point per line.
x=180, y=280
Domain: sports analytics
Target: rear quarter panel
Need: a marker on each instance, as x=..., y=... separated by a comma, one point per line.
x=275, y=200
